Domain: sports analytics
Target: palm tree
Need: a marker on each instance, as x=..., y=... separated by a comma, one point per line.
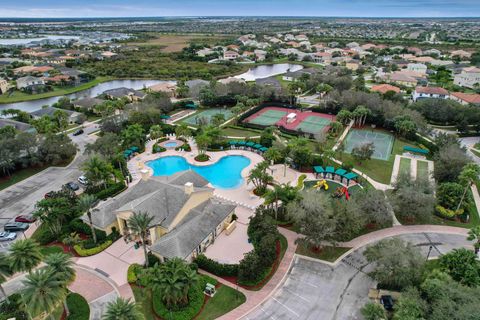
x=43, y=292
x=139, y=224
x=467, y=177
x=273, y=154
x=24, y=255
x=335, y=127
x=5, y=272
x=259, y=176
x=173, y=280
x=122, y=309
x=156, y=132
x=182, y=130
x=71, y=240
x=97, y=170
x=85, y=203
x=283, y=192
x=61, y=265
x=474, y=235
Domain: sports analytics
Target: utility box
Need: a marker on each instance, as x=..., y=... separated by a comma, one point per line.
x=210, y=290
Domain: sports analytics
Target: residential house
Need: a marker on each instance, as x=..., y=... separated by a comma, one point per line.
x=130, y=94
x=205, y=52
x=32, y=70
x=466, y=98
x=59, y=79
x=423, y=59
x=401, y=79
x=384, y=88
x=230, y=55
x=196, y=83
x=29, y=83
x=368, y=46
x=417, y=67
x=432, y=52
x=260, y=55
x=186, y=216
x=469, y=78
x=87, y=104
x=19, y=126
x=3, y=86
x=429, y=92
x=231, y=80
x=352, y=65
x=462, y=54
x=233, y=47
x=301, y=37
x=352, y=45
x=294, y=44
x=322, y=57
x=166, y=87
x=416, y=51
x=72, y=116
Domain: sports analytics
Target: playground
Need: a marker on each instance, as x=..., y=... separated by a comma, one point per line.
x=194, y=120
x=291, y=119
x=382, y=141
x=333, y=188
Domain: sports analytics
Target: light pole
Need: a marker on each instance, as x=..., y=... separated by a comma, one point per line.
x=429, y=251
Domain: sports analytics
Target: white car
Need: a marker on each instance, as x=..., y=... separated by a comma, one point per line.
x=83, y=180
x=7, y=236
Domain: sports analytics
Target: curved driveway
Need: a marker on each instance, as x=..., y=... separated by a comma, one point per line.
x=317, y=290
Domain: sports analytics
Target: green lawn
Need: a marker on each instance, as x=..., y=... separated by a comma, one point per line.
x=47, y=250
x=475, y=152
x=327, y=253
x=405, y=165
x=18, y=96
x=237, y=132
x=422, y=169
x=225, y=300
x=18, y=176
x=144, y=298
x=378, y=170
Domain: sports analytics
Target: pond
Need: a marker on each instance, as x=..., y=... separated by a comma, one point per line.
x=224, y=174
x=25, y=41
x=268, y=70
x=33, y=105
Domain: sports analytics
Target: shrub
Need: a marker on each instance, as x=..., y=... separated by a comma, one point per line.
x=78, y=307
x=92, y=251
x=219, y=269
x=43, y=235
x=111, y=191
x=13, y=309
x=447, y=213
x=152, y=259
x=79, y=226
x=133, y=272
x=202, y=158
x=300, y=181
x=157, y=148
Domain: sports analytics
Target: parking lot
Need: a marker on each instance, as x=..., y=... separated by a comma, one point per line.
x=22, y=197
x=315, y=290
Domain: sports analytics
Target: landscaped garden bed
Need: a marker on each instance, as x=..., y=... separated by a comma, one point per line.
x=327, y=253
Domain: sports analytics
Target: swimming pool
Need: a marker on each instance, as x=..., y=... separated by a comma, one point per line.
x=171, y=144
x=224, y=174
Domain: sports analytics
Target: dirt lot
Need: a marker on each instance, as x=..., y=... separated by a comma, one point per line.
x=175, y=43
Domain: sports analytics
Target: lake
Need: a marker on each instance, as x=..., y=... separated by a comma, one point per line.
x=268, y=70
x=25, y=41
x=33, y=105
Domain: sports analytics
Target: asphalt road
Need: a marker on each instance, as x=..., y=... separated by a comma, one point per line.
x=22, y=197
x=315, y=290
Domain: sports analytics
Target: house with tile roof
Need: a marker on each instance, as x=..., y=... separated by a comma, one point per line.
x=384, y=88
x=186, y=216
x=468, y=78
x=466, y=98
x=429, y=92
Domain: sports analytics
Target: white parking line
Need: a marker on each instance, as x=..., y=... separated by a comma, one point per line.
x=295, y=294
x=286, y=307
x=271, y=317
x=298, y=280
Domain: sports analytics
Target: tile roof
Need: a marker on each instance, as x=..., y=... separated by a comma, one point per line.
x=472, y=98
x=431, y=90
x=384, y=88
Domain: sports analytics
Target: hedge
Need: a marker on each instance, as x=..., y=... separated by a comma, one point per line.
x=43, y=235
x=78, y=307
x=111, y=191
x=132, y=273
x=90, y=252
x=219, y=269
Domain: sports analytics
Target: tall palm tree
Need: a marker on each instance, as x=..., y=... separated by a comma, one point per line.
x=155, y=132
x=61, y=265
x=43, y=292
x=474, y=235
x=139, y=224
x=85, y=203
x=122, y=309
x=71, y=239
x=24, y=255
x=467, y=177
x=97, y=170
x=5, y=272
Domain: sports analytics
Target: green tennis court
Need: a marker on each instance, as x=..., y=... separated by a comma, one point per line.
x=268, y=118
x=195, y=119
x=383, y=142
x=313, y=124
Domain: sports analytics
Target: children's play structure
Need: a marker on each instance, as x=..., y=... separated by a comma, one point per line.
x=340, y=192
x=321, y=184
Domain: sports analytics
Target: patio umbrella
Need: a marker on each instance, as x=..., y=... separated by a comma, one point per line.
x=257, y=146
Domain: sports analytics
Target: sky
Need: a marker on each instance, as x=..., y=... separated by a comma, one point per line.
x=320, y=8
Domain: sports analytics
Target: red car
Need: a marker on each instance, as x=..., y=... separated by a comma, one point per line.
x=26, y=218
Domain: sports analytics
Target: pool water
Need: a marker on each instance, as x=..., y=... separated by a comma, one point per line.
x=171, y=144
x=224, y=174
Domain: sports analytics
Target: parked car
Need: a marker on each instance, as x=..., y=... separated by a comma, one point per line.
x=26, y=218
x=387, y=302
x=83, y=180
x=15, y=226
x=72, y=186
x=7, y=236
x=49, y=194
x=78, y=132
